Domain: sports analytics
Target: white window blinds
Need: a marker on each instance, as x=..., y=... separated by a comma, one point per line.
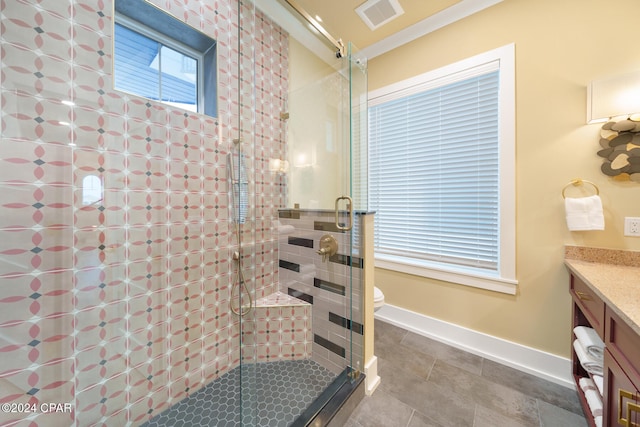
x=434, y=170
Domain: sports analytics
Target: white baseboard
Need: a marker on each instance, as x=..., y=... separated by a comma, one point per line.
x=527, y=359
x=371, y=379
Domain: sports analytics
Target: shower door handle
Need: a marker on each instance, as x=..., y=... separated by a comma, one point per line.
x=349, y=225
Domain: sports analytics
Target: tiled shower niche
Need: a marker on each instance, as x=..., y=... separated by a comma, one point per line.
x=335, y=296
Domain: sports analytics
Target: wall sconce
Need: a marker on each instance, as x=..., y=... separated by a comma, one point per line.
x=278, y=166
x=616, y=103
x=304, y=160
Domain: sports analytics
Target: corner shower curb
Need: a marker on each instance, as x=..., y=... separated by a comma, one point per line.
x=335, y=405
x=346, y=399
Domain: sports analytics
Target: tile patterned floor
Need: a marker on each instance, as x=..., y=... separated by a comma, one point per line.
x=428, y=383
x=278, y=392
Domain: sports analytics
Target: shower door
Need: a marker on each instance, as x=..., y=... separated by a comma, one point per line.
x=301, y=137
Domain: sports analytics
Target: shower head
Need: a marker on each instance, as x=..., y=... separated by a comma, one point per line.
x=239, y=185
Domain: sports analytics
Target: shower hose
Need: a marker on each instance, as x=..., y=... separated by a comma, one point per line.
x=240, y=285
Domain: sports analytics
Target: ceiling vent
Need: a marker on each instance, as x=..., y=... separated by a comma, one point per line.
x=376, y=13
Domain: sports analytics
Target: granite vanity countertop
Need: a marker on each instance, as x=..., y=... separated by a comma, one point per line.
x=613, y=275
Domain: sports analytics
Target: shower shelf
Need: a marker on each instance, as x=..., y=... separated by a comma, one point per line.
x=283, y=328
x=279, y=299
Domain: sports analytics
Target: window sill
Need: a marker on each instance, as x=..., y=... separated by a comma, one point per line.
x=461, y=277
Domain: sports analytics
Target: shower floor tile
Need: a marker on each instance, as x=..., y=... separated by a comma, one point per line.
x=273, y=394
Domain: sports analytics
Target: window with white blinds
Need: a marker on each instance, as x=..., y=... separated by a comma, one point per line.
x=437, y=166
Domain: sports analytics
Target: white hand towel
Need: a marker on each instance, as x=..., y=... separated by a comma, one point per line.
x=584, y=213
x=590, y=364
x=590, y=340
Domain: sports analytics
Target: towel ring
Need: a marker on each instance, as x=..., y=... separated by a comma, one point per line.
x=577, y=182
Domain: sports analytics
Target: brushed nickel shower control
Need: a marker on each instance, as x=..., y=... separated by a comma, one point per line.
x=328, y=246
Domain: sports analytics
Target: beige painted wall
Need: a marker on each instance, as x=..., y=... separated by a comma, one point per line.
x=316, y=127
x=560, y=47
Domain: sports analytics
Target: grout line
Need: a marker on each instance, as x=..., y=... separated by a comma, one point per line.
x=538, y=410
x=475, y=410
x=413, y=412
x=435, y=359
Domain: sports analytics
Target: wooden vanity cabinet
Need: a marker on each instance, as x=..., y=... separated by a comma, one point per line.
x=622, y=376
x=619, y=393
x=621, y=400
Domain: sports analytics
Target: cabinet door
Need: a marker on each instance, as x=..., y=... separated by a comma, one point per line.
x=623, y=344
x=621, y=398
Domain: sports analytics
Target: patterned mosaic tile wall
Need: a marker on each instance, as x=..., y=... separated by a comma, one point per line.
x=121, y=307
x=327, y=286
x=283, y=330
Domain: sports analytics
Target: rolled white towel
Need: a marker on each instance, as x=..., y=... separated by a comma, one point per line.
x=590, y=340
x=584, y=213
x=307, y=268
x=590, y=364
x=599, y=380
x=594, y=400
x=284, y=228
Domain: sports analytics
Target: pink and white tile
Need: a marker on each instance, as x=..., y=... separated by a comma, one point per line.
x=92, y=49
x=93, y=15
x=39, y=341
x=31, y=206
x=33, y=119
x=100, y=325
x=37, y=30
x=101, y=400
x=145, y=408
x=52, y=80
x=100, y=285
x=145, y=173
x=147, y=208
x=42, y=385
x=147, y=344
x=147, y=276
x=147, y=139
x=96, y=364
x=24, y=250
x=146, y=242
x=35, y=296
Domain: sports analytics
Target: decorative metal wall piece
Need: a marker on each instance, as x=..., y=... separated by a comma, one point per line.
x=620, y=142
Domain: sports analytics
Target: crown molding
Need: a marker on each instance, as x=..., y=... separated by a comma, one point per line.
x=441, y=19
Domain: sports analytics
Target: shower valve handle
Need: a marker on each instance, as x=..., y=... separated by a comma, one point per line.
x=324, y=254
x=328, y=247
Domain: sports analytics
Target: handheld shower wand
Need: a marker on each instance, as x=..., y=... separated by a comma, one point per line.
x=239, y=204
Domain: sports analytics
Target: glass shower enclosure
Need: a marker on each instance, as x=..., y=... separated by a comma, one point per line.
x=302, y=131
x=163, y=264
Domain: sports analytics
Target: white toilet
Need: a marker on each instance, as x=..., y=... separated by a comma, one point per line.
x=378, y=299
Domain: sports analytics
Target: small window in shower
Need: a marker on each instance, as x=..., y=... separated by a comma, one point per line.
x=159, y=57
